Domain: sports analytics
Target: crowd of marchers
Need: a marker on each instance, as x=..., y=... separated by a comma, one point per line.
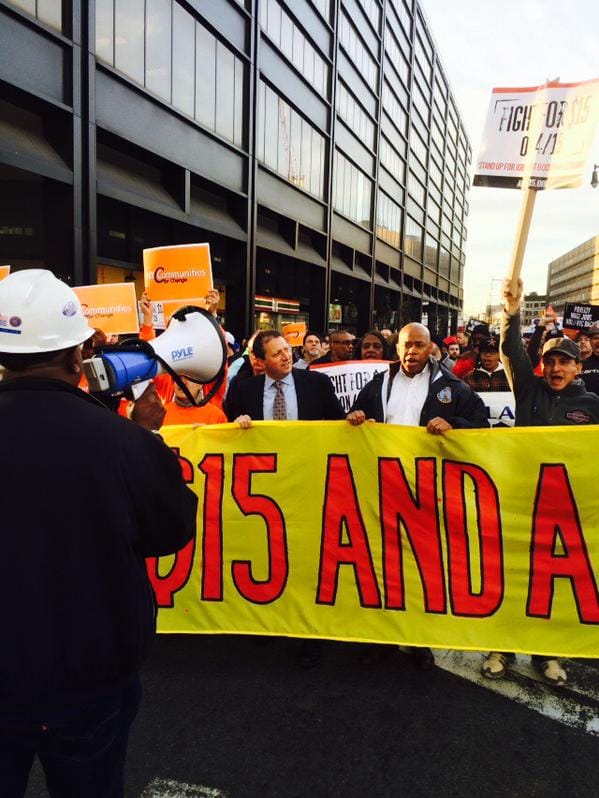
x=70, y=688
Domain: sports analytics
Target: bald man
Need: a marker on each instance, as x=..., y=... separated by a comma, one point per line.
x=419, y=391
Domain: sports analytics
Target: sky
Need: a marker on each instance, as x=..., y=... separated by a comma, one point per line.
x=483, y=44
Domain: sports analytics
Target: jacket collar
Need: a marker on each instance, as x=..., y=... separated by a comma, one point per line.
x=45, y=384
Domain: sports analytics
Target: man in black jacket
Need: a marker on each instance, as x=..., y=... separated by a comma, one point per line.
x=557, y=398
x=282, y=392
x=419, y=391
x=85, y=495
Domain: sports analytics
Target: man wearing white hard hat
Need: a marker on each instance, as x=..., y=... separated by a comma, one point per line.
x=85, y=495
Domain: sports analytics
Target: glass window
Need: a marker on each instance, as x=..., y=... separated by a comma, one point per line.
x=418, y=147
x=283, y=146
x=260, y=120
x=373, y=12
x=28, y=6
x=295, y=151
x=353, y=114
x=431, y=252
x=403, y=14
x=271, y=136
x=444, y=260
x=47, y=11
x=105, y=31
x=158, y=47
x=392, y=161
x=291, y=146
x=412, y=239
x=287, y=36
x=357, y=51
x=225, y=82
x=393, y=107
x=353, y=193
x=396, y=57
x=324, y=6
x=416, y=189
x=293, y=44
x=50, y=13
x=129, y=38
x=388, y=220
x=306, y=154
x=183, y=60
x=205, y=77
x=238, y=103
x=176, y=58
x=274, y=21
x=298, y=49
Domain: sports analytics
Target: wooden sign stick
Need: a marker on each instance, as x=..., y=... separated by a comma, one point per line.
x=529, y=196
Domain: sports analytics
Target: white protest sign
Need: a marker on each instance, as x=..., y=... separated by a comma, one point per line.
x=350, y=376
x=538, y=137
x=501, y=407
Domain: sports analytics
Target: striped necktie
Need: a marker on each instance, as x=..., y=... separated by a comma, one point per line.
x=279, y=409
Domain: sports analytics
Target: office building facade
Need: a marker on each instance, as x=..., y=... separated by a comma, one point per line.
x=574, y=276
x=315, y=145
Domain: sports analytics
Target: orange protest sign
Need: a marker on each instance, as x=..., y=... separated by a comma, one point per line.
x=294, y=333
x=178, y=272
x=111, y=307
x=4, y=272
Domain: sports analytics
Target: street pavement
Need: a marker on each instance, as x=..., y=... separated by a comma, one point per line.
x=235, y=716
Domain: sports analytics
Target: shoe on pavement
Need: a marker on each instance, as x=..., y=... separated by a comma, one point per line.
x=495, y=665
x=553, y=673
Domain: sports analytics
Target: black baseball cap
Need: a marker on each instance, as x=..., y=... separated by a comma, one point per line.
x=563, y=346
x=490, y=345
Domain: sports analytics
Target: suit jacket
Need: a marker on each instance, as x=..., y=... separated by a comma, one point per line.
x=316, y=398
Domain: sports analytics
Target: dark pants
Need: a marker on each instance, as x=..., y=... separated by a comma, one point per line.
x=82, y=751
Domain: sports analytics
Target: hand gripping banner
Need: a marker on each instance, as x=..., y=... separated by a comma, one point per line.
x=478, y=539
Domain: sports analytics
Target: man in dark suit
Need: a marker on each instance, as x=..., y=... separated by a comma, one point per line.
x=282, y=393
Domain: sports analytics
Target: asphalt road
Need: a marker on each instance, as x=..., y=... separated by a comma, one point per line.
x=237, y=715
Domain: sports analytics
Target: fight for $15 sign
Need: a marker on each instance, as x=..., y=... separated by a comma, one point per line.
x=541, y=135
x=350, y=376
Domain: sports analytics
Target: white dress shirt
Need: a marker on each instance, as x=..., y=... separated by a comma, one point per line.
x=407, y=398
x=270, y=391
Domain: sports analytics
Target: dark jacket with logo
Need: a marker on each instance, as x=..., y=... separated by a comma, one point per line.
x=85, y=496
x=590, y=373
x=448, y=397
x=537, y=405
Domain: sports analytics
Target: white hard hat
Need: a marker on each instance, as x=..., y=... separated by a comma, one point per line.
x=39, y=313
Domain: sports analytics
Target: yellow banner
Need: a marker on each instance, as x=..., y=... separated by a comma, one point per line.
x=478, y=539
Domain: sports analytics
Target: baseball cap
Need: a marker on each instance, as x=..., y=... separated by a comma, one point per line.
x=230, y=338
x=490, y=345
x=480, y=329
x=451, y=339
x=562, y=345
